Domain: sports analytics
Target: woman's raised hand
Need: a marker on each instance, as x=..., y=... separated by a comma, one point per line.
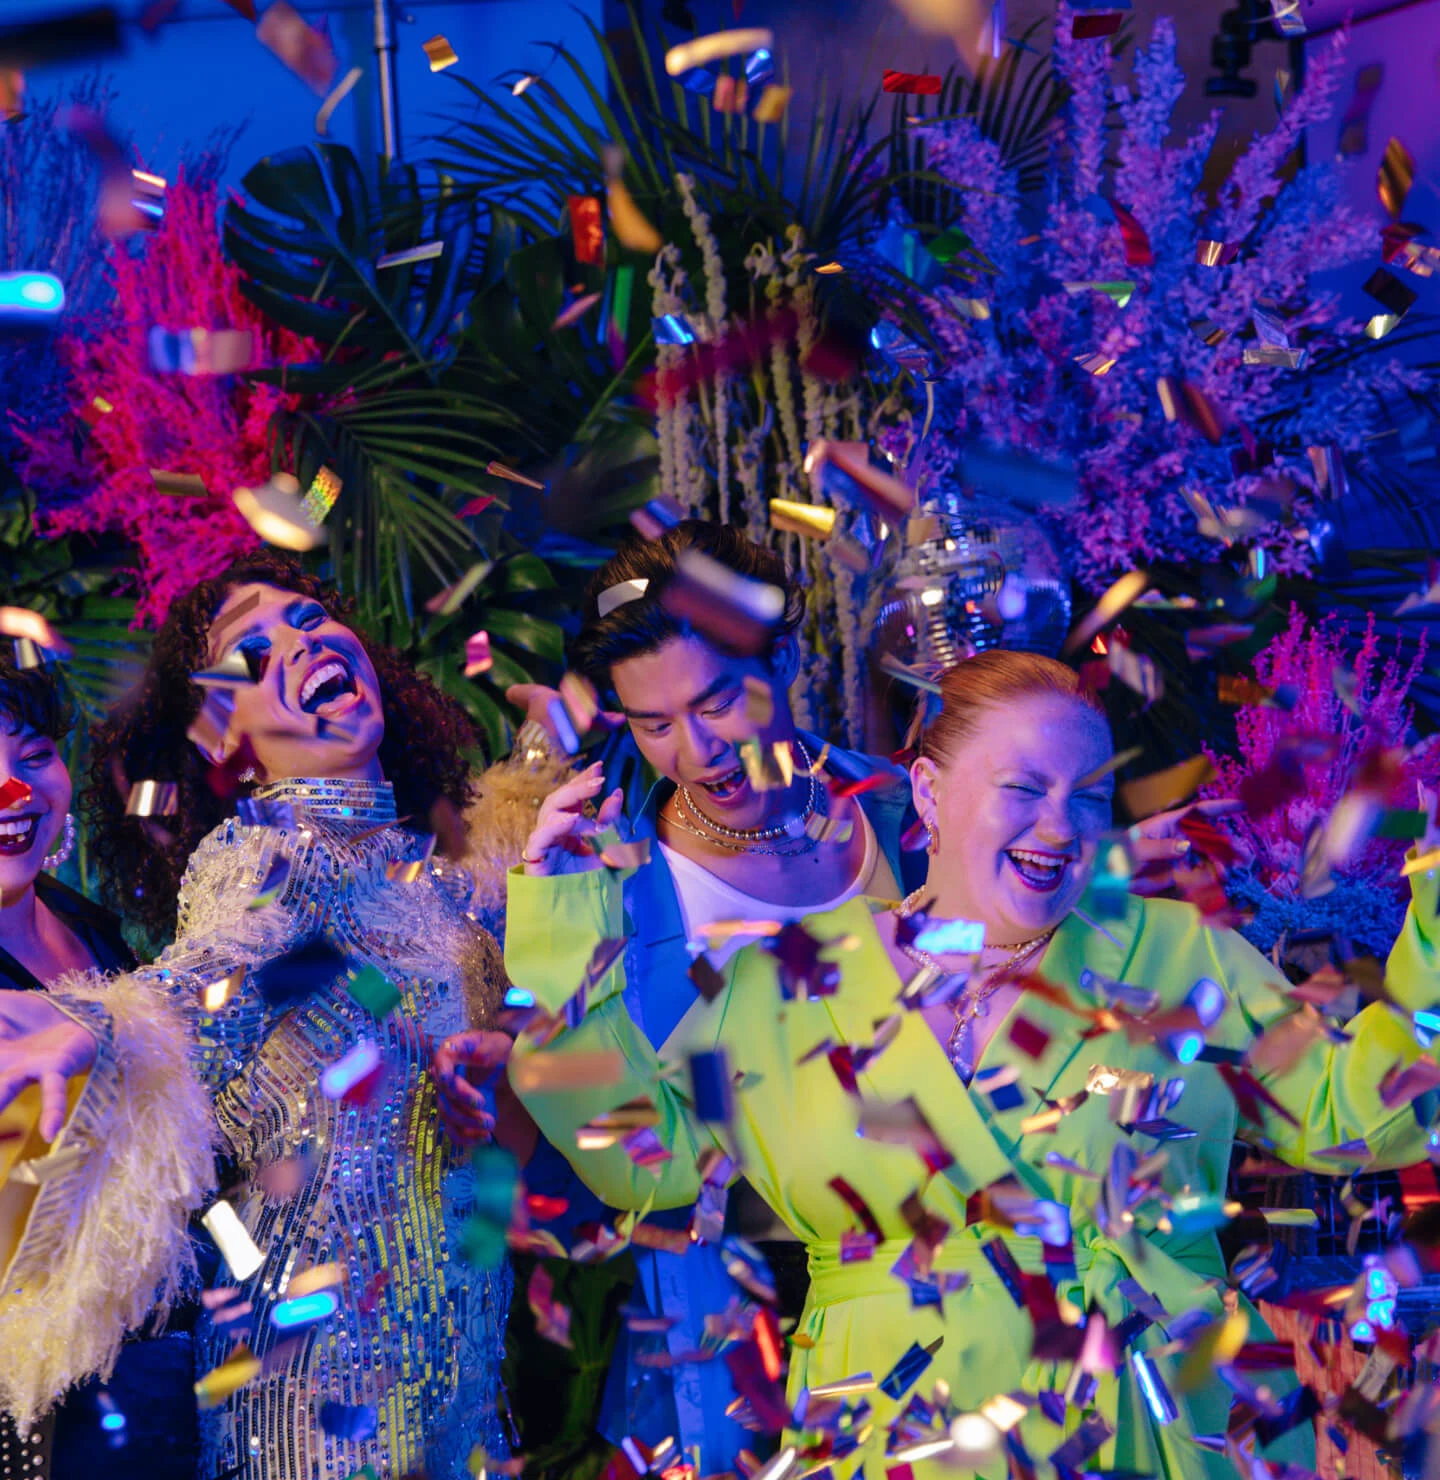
x=467, y=1102
x=557, y=843
x=40, y=1045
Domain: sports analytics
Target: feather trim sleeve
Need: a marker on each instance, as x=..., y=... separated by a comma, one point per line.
x=105, y=1240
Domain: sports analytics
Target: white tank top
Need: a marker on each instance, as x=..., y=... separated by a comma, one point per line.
x=706, y=898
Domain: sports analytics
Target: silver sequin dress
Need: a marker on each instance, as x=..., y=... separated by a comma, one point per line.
x=372, y=1186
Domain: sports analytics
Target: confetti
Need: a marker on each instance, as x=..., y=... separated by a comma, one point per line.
x=373, y=990
x=152, y=799
x=1354, y=125
x=550, y=1073
x=574, y=312
x=552, y=1320
x=587, y=230
x=272, y=885
x=445, y=603
x=716, y=47
x=239, y=1368
x=306, y=52
x=891, y=499
x=233, y=1240
x=339, y=93
x=276, y=512
x=631, y=227
x=730, y=609
x=1163, y=789
x=478, y=658
x=814, y=520
x=354, y=1074
x=440, y=53
x=771, y=109
x=1110, y=605
x=424, y=252
x=499, y=470
x=924, y=84
x=13, y=793
x=200, y=351
x=321, y=495
x=179, y=485
x=1134, y=237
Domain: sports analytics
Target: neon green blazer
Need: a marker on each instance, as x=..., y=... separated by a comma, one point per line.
x=795, y=1127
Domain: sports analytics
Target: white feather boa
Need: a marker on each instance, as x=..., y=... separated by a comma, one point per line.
x=105, y=1245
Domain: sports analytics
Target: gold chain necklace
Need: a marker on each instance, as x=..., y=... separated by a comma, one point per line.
x=969, y=1004
x=751, y=840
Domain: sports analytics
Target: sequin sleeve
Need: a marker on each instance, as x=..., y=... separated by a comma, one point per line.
x=223, y=929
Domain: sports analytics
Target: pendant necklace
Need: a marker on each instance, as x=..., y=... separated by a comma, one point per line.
x=972, y=1001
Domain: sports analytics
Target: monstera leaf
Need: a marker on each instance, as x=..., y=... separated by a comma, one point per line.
x=311, y=241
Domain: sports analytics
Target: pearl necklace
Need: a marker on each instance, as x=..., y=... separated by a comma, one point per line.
x=749, y=840
x=969, y=1004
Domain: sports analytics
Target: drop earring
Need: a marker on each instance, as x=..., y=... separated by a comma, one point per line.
x=67, y=844
x=933, y=833
x=248, y=774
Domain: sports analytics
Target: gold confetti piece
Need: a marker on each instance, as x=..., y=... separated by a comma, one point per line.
x=499, y=470
x=1120, y=758
x=1167, y=788
x=302, y=48
x=825, y=268
x=404, y=870
x=317, y=1277
x=152, y=799
x=630, y=225
x=422, y=253
x=1380, y=325
x=214, y=995
x=771, y=109
x=41, y=1169
x=1214, y=1346
x=759, y=700
x=440, y=52
x=815, y=520
x=240, y=1367
x=338, y=96
x=1095, y=364
x=549, y=1073
x=233, y=1240
x=1421, y=863
x=716, y=46
x=277, y=514
x=1397, y=175
x=1110, y=605
x=452, y=598
x=1214, y=254
x=180, y=485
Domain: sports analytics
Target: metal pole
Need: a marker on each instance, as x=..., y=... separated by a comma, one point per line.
x=385, y=65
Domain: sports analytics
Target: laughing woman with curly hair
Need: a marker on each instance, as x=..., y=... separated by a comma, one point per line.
x=310, y=926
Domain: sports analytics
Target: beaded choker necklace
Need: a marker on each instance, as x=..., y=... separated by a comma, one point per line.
x=368, y=802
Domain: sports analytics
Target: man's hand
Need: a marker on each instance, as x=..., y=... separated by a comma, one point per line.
x=535, y=699
x=40, y=1045
x=462, y=1068
x=555, y=846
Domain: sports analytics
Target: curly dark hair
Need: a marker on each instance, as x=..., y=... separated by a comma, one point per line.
x=422, y=754
x=642, y=625
x=33, y=698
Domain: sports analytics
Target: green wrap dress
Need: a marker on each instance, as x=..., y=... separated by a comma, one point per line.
x=795, y=1127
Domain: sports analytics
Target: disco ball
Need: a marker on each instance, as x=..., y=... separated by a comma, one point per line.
x=990, y=577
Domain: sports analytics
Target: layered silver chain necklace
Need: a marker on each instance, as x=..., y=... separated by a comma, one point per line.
x=753, y=839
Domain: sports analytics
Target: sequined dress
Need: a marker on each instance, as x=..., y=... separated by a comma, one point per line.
x=373, y=1186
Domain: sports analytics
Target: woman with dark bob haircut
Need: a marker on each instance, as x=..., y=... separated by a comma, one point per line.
x=321, y=961
x=48, y=933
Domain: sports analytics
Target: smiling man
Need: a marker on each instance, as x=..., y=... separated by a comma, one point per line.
x=727, y=847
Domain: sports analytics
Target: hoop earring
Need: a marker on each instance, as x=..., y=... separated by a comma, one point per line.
x=67, y=844
x=933, y=833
